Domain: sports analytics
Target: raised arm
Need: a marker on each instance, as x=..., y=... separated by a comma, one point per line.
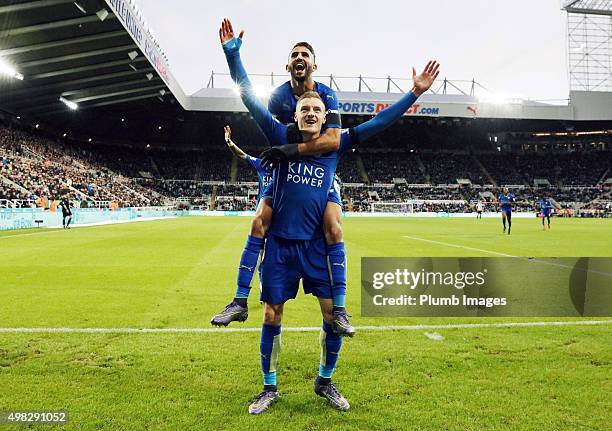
x=391, y=114
x=275, y=131
x=235, y=149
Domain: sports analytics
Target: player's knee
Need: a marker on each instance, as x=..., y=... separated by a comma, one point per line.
x=327, y=310
x=272, y=315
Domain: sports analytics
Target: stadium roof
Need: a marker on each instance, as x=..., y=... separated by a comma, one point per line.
x=80, y=51
x=593, y=7
x=100, y=55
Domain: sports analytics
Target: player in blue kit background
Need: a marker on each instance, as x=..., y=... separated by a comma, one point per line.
x=295, y=247
x=505, y=200
x=301, y=64
x=547, y=206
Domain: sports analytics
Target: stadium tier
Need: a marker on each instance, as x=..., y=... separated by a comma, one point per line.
x=36, y=169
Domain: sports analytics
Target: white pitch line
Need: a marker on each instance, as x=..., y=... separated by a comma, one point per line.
x=482, y=250
x=302, y=329
x=465, y=247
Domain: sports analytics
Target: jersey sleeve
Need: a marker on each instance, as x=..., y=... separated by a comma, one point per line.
x=348, y=140
x=251, y=161
x=333, y=113
x=384, y=119
x=275, y=131
x=274, y=104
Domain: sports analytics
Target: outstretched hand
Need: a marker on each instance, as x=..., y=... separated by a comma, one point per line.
x=423, y=82
x=228, y=135
x=226, y=32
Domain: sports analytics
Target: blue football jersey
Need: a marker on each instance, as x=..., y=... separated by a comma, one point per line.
x=546, y=204
x=506, y=200
x=283, y=102
x=263, y=176
x=301, y=190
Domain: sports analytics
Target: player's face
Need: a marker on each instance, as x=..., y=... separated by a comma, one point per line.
x=310, y=115
x=301, y=64
x=505, y=191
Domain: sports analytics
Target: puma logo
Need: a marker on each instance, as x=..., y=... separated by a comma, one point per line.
x=250, y=268
x=338, y=264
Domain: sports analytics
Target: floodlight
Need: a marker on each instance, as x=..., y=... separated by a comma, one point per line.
x=102, y=14
x=9, y=70
x=69, y=103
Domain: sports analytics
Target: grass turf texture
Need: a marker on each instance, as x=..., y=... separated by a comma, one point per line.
x=177, y=273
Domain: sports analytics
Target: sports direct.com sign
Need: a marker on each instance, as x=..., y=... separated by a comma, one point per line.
x=372, y=108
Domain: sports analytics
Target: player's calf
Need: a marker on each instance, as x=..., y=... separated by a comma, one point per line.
x=336, y=262
x=331, y=344
x=237, y=310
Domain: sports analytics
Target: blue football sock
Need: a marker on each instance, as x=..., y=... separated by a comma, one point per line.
x=248, y=263
x=269, y=348
x=336, y=263
x=330, y=350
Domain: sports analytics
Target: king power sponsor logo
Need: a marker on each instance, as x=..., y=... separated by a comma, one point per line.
x=371, y=108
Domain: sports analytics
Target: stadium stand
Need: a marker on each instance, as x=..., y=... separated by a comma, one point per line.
x=35, y=167
x=503, y=168
x=383, y=166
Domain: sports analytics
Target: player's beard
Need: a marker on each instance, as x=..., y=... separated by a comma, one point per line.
x=307, y=74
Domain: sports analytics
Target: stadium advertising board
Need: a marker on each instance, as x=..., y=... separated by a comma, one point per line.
x=375, y=107
x=27, y=218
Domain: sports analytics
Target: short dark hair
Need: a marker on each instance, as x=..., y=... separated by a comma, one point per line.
x=307, y=46
x=310, y=95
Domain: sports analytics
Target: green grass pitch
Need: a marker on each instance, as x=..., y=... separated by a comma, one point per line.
x=176, y=273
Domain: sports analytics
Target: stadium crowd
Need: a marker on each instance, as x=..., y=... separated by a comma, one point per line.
x=36, y=168
x=33, y=166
